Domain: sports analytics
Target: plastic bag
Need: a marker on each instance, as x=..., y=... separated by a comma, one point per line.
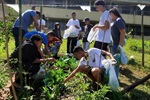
x=123, y=56
x=66, y=34
x=92, y=35
x=113, y=80
x=78, y=43
x=70, y=32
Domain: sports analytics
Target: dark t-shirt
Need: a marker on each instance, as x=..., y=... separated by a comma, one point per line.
x=115, y=27
x=29, y=54
x=87, y=29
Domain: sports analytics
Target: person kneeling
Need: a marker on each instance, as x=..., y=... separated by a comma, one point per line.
x=90, y=63
x=31, y=57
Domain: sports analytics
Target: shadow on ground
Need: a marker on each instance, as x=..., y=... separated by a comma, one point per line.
x=126, y=72
x=136, y=95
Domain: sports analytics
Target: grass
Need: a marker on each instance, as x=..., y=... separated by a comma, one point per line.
x=128, y=73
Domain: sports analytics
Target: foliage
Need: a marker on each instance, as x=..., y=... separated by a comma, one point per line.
x=136, y=45
x=54, y=87
x=4, y=76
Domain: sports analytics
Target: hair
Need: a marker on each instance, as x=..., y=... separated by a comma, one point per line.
x=43, y=17
x=38, y=12
x=99, y=2
x=51, y=33
x=35, y=37
x=73, y=13
x=116, y=12
x=77, y=49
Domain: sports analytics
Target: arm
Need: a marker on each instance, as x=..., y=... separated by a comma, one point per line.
x=44, y=60
x=42, y=54
x=107, y=53
x=35, y=20
x=122, y=36
x=106, y=26
x=72, y=74
x=48, y=52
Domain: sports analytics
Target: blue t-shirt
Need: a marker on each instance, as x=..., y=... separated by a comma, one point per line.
x=26, y=19
x=43, y=35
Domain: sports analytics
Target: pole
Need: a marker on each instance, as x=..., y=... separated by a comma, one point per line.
x=142, y=33
x=41, y=15
x=7, y=50
x=20, y=43
x=66, y=3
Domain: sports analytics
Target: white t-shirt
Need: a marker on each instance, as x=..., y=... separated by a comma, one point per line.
x=105, y=16
x=42, y=23
x=93, y=60
x=74, y=22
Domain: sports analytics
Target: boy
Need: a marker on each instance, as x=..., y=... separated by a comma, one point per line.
x=45, y=38
x=90, y=63
x=103, y=36
x=87, y=29
x=28, y=17
x=53, y=44
x=73, y=40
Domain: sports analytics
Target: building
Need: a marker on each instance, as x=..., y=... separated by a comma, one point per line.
x=60, y=10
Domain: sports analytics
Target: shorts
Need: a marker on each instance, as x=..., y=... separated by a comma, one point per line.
x=99, y=45
x=102, y=74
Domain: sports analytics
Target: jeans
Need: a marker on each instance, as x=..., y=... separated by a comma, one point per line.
x=71, y=41
x=86, y=45
x=54, y=49
x=113, y=52
x=15, y=32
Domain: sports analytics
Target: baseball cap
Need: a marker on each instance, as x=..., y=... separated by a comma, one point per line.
x=86, y=19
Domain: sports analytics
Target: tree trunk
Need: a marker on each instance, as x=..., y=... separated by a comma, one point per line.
x=127, y=89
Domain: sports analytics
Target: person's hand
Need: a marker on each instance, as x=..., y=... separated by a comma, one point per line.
x=76, y=26
x=107, y=25
x=43, y=56
x=94, y=28
x=51, y=59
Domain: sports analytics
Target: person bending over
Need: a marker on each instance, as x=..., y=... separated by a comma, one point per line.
x=31, y=57
x=90, y=63
x=45, y=38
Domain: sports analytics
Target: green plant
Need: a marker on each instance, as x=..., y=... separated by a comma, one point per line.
x=4, y=76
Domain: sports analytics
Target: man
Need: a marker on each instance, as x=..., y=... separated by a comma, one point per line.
x=90, y=63
x=31, y=58
x=45, y=38
x=73, y=40
x=54, y=45
x=28, y=17
x=103, y=36
x=40, y=22
x=87, y=29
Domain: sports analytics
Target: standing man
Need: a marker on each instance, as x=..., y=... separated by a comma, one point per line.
x=73, y=40
x=40, y=21
x=28, y=17
x=103, y=36
x=87, y=29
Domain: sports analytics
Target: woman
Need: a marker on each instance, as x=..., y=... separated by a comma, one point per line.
x=118, y=31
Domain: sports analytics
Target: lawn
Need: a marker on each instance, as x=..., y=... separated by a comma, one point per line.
x=128, y=73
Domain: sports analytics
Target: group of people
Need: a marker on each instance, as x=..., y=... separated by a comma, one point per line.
x=111, y=27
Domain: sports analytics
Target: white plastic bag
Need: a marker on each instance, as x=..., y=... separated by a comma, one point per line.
x=70, y=32
x=78, y=43
x=124, y=58
x=66, y=34
x=113, y=80
x=92, y=35
x=73, y=31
